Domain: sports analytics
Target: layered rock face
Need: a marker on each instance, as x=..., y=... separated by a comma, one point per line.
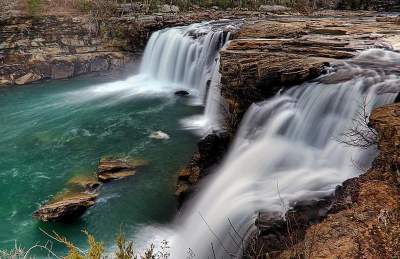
x=270, y=55
x=66, y=209
x=54, y=48
x=210, y=151
x=364, y=218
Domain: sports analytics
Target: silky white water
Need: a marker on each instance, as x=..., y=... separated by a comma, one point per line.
x=285, y=151
x=175, y=59
x=185, y=56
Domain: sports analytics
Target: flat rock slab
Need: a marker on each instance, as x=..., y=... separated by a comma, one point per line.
x=110, y=169
x=65, y=209
x=106, y=177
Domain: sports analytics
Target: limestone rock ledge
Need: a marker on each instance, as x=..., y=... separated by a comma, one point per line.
x=66, y=209
x=364, y=219
x=269, y=55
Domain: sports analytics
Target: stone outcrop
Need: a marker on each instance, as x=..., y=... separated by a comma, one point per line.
x=110, y=169
x=82, y=190
x=65, y=209
x=79, y=195
x=364, y=218
x=210, y=151
x=52, y=47
x=273, y=54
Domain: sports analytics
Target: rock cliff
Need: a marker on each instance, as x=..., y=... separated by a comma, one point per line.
x=53, y=48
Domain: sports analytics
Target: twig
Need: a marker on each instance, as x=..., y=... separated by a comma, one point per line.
x=216, y=236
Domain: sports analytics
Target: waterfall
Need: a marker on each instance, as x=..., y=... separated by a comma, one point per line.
x=185, y=56
x=286, y=151
x=178, y=58
x=212, y=118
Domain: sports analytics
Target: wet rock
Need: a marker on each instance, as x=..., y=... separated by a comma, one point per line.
x=276, y=232
x=210, y=151
x=159, y=135
x=66, y=209
x=86, y=184
x=110, y=169
x=181, y=93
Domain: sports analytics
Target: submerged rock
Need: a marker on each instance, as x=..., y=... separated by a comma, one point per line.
x=159, y=135
x=66, y=209
x=182, y=93
x=113, y=169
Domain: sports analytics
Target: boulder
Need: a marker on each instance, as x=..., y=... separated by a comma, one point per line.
x=159, y=135
x=182, y=93
x=28, y=78
x=273, y=8
x=66, y=209
x=134, y=7
x=169, y=8
x=117, y=168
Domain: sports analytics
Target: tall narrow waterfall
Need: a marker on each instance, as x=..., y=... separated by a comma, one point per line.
x=286, y=151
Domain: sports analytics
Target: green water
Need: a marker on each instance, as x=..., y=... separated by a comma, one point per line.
x=53, y=131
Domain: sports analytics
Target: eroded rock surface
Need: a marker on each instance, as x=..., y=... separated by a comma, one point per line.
x=52, y=47
x=66, y=209
x=210, y=151
x=273, y=54
x=110, y=169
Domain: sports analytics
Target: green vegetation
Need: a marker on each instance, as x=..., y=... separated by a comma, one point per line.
x=96, y=250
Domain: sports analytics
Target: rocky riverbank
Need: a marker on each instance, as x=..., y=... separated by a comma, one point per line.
x=59, y=47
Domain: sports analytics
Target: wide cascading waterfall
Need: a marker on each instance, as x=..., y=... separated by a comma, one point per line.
x=285, y=151
x=175, y=59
